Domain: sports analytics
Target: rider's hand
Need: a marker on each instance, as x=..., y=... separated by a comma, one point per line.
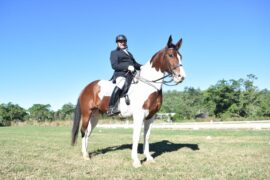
x=131, y=68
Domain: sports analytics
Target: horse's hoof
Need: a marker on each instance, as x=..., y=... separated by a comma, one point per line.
x=150, y=160
x=86, y=157
x=137, y=164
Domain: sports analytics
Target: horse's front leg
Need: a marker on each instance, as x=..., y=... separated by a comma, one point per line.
x=147, y=129
x=137, y=125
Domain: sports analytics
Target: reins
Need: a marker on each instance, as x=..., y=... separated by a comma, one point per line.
x=150, y=82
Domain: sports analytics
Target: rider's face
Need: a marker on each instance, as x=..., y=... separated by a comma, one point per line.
x=122, y=44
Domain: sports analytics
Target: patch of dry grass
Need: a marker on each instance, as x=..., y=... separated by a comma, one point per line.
x=36, y=152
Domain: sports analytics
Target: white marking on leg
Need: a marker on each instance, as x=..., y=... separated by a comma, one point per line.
x=137, y=125
x=91, y=125
x=147, y=129
x=85, y=142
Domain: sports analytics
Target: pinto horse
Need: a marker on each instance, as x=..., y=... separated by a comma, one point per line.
x=145, y=99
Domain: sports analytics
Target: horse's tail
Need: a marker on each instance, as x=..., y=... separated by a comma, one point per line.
x=76, y=123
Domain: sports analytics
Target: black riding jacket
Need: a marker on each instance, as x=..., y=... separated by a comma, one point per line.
x=120, y=62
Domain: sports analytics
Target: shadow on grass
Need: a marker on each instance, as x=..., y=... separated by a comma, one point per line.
x=158, y=148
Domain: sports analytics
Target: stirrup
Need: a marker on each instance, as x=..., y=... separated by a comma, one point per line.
x=127, y=100
x=113, y=111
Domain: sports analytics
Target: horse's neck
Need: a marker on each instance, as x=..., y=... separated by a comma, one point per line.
x=151, y=74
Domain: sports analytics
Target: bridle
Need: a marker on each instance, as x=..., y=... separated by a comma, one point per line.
x=170, y=73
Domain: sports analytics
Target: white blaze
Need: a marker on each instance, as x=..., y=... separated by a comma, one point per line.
x=182, y=71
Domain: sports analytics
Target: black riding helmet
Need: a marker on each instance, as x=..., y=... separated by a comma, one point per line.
x=120, y=37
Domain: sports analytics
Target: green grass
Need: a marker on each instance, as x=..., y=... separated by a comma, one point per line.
x=34, y=152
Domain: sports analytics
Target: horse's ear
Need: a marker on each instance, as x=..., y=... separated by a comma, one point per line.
x=179, y=44
x=169, y=43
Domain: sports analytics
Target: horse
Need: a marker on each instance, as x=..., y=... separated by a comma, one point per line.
x=145, y=97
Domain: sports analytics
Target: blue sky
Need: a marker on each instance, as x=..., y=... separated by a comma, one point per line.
x=51, y=49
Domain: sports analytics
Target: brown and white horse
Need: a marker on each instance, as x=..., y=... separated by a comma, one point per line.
x=145, y=99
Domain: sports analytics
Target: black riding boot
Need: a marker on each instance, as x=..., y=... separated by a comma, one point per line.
x=113, y=101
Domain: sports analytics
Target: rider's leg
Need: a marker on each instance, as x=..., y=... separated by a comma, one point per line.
x=120, y=81
x=126, y=86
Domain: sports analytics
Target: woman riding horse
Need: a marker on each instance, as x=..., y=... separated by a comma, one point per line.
x=123, y=64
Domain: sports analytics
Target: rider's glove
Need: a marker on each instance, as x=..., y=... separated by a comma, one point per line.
x=131, y=68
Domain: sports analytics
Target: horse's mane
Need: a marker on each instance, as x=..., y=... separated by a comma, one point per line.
x=156, y=61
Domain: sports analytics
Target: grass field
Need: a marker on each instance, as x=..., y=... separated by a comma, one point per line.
x=34, y=152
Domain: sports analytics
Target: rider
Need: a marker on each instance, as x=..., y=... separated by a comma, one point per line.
x=123, y=64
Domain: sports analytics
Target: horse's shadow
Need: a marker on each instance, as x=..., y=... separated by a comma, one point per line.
x=158, y=148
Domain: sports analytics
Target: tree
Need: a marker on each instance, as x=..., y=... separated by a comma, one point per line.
x=233, y=98
x=191, y=103
x=11, y=112
x=41, y=112
x=66, y=112
x=171, y=100
x=4, y=118
x=185, y=104
x=264, y=103
x=249, y=98
x=225, y=96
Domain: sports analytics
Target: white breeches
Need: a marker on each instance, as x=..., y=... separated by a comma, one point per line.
x=120, y=81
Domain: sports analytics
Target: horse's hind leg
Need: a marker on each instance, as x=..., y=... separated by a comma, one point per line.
x=85, y=131
x=147, y=129
x=91, y=124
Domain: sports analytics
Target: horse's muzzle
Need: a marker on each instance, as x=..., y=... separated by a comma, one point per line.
x=178, y=78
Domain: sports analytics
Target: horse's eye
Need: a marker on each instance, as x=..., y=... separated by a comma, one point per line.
x=170, y=55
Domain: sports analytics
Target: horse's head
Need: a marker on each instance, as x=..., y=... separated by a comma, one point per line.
x=173, y=60
x=169, y=60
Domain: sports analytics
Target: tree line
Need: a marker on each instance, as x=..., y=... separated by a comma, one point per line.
x=38, y=112
x=227, y=99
